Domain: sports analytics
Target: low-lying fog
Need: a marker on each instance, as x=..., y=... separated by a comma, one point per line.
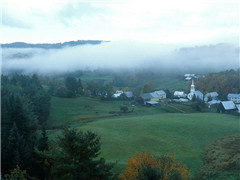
x=122, y=54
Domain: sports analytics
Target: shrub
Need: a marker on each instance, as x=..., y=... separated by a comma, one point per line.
x=146, y=166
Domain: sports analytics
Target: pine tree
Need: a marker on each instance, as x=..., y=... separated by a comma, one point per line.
x=76, y=157
x=43, y=141
x=12, y=152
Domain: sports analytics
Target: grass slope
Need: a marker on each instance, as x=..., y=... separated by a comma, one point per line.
x=147, y=129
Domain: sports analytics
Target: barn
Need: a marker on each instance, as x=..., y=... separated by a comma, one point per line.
x=227, y=107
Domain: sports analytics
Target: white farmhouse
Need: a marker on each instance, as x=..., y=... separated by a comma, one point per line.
x=117, y=94
x=179, y=94
x=234, y=97
x=211, y=95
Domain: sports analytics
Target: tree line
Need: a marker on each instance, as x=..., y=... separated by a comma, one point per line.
x=223, y=82
x=26, y=151
x=24, y=111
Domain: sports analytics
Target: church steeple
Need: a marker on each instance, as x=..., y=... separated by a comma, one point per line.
x=192, y=87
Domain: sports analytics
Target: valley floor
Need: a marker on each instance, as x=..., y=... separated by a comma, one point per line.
x=160, y=130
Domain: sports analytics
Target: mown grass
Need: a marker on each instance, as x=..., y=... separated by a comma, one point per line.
x=146, y=129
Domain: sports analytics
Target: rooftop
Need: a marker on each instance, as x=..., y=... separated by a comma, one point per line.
x=233, y=95
x=228, y=105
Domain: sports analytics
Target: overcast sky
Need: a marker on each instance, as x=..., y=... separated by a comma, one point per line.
x=167, y=21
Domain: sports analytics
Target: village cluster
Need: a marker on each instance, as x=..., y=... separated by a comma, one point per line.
x=211, y=99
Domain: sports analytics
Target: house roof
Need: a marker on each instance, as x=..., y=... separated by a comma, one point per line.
x=211, y=94
x=179, y=93
x=160, y=92
x=154, y=95
x=129, y=94
x=152, y=102
x=228, y=105
x=115, y=95
x=214, y=102
x=146, y=96
x=233, y=95
x=118, y=91
x=186, y=75
x=199, y=93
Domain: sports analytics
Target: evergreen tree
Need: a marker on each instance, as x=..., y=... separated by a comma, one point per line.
x=168, y=94
x=79, y=83
x=12, y=157
x=76, y=157
x=194, y=98
x=71, y=83
x=43, y=141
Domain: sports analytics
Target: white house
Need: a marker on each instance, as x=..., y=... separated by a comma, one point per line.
x=129, y=94
x=179, y=94
x=161, y=94
x=189, y=77
x=117, y=94
x=211, y=95
x=234, y=97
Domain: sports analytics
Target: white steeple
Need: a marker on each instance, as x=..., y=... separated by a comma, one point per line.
x=192, y=90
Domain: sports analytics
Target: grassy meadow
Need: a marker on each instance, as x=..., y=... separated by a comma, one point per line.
x=163, y=129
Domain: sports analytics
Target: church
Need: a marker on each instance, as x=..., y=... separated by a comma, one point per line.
x=193, y=92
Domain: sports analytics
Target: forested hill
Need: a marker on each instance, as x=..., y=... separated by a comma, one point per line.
x=223, y=82
x=52, y=46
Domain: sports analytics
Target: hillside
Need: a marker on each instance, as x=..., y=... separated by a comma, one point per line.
x=52, y=45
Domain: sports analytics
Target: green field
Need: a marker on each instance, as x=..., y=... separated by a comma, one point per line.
x=145, y=129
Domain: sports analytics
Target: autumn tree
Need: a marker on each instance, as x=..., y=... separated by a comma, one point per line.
x=146, y=166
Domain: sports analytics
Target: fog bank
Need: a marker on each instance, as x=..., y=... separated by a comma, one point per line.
x=121, y=54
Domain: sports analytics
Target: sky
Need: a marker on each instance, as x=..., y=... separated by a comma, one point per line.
x=169, y=22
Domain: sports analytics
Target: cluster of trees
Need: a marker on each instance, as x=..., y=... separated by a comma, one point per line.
x=222, y=82
x=26, y=152
x=24, y=110
x=71, y=87
x=73, y=156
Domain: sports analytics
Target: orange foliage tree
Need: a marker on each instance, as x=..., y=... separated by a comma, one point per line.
x=146, y=166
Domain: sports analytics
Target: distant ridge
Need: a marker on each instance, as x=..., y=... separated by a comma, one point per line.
x=53, y=45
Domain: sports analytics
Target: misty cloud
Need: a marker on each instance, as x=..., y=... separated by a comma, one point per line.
x=124, y=54
x=75, y=11
x=12, y=21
